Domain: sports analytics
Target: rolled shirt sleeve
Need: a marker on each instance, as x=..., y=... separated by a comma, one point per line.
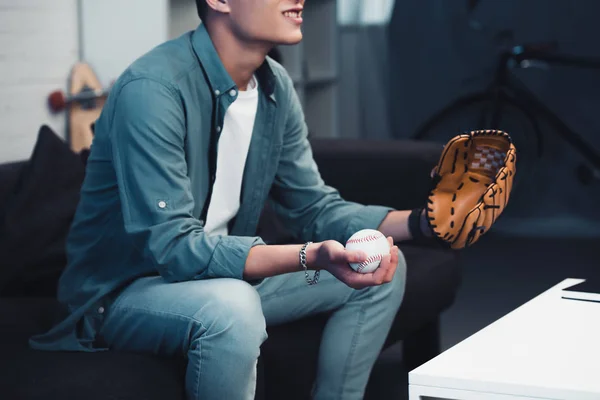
x=303, y=201
x=147, y=140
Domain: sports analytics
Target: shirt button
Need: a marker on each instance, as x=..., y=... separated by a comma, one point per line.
x=162, y=204
x=217, y=92
x=232, y=92
x=101, y=310
x=218, y=129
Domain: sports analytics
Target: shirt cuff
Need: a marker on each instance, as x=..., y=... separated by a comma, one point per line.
x=230, y=255
x=369, y=217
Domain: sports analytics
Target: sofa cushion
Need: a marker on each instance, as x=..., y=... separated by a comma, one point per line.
x=39, y=212
x=31, y=374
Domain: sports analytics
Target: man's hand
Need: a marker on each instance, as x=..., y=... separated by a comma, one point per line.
x=333, y=257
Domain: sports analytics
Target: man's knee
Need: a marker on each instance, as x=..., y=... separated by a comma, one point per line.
x=235, y=314
x=393, y=291
x=399, y=281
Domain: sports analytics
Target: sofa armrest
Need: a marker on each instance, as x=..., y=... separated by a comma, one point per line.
x=393, y=173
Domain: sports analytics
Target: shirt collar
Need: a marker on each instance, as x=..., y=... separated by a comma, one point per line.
x=217, y=75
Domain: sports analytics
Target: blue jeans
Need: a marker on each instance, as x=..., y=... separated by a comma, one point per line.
x=220, y=324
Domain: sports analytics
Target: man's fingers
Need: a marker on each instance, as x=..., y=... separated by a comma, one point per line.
x=350, y=256
x=356, y=280
x=347, y=256
x=388, y=265
x=353, y=256
x=393, y=263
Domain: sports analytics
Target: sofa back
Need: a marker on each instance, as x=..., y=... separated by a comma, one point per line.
x=393, y=173
x=373, y=172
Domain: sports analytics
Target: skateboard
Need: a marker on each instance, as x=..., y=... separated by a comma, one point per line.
x=83, y=102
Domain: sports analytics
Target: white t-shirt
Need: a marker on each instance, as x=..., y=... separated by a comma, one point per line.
x=232, y=152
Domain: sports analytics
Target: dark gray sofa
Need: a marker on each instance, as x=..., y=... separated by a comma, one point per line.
x=37, y=200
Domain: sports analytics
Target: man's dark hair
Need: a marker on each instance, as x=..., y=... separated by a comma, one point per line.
x=202, y=8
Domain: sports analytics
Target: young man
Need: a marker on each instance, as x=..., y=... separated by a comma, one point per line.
x=195, y=136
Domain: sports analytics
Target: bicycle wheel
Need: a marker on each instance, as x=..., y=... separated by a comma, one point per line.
x=482, y=111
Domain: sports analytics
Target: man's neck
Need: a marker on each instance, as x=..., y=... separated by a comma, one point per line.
x=241, y=59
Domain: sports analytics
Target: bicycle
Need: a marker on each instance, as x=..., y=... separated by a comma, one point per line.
x=507, y=104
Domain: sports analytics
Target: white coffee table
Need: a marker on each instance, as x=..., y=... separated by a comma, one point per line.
x=549, y=348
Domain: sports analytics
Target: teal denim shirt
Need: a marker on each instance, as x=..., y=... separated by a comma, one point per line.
x=149, y=177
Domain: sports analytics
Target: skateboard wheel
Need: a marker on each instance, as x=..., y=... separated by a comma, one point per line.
x=57, y=101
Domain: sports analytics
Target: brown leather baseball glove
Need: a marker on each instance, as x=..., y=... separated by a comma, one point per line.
x=472, y=184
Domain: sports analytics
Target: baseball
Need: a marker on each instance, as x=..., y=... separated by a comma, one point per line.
x=372, y=242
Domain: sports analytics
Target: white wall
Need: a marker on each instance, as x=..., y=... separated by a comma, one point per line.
x=38, y=46
x=183, y=17
x=40, y=40
x=116, y=32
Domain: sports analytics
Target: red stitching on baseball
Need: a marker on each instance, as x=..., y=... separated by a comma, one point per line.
x=368, y=238
x=373, y=258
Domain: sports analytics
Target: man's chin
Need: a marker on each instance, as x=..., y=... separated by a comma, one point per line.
x=291, y=40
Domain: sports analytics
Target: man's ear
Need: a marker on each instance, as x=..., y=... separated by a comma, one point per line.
x=221, y=6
